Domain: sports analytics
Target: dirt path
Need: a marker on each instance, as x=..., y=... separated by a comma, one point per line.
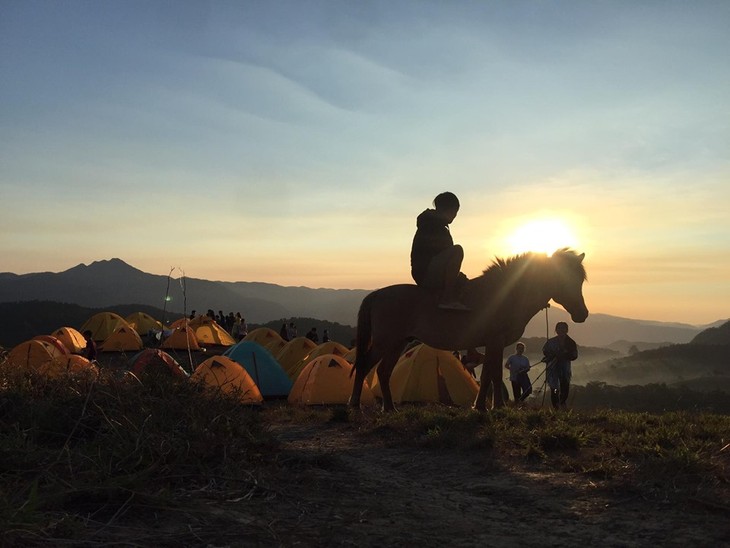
x=345, y=490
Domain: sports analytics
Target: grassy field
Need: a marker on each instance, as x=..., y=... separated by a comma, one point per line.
x=104, y=461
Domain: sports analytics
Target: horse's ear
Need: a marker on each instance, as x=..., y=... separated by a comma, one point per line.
x=581, y=257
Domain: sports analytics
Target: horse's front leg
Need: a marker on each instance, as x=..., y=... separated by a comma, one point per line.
x=491, y=376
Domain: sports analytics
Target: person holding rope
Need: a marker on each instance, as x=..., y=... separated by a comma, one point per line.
x=559, y=351
x=518, y=366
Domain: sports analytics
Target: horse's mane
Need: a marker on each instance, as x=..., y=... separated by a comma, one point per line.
x=502, y=268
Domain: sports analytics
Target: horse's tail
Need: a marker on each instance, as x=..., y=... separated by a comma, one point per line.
x=363, y=339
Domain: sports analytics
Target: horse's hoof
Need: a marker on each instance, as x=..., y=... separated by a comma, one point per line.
x=480, y=408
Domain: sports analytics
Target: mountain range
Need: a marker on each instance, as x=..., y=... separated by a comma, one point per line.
x=113, y=282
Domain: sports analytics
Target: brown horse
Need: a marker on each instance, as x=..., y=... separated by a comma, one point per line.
x=502, y=300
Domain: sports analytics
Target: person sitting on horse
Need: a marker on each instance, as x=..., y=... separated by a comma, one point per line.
x=435, y=259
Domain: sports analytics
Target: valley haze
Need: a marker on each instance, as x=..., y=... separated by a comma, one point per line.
x=113, y=282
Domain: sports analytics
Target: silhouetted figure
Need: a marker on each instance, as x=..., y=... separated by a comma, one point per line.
x=284, y=332
x=312, y=335
x=292, y=331
x=435, y=260
x=90, y=348
x=326, y=336
x=559, y=352
x=518, y=366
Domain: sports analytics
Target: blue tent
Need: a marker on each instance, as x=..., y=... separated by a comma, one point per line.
x=266, y=372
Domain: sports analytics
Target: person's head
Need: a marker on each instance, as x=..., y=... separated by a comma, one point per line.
x=87, y=335
x=520, y=347
x=447, y=205
x=561, y=328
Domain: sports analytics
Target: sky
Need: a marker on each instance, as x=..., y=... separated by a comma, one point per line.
x=295, y=142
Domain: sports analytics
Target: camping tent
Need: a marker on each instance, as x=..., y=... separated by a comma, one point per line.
x=266, y=337
x=154, y=360
x=143, y=323
x=424, y=374
x=70, y=364
x=266, y=372
x=330, y=347
x=33, y=354
x=102, y=325
x=180, y=339
x=124, y=339
x=209, y=332
x=221, y=373
x=293, y=352
x=326, y=380
x=55, y=341
x=72, y=339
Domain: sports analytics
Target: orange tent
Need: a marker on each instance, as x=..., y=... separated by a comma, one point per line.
x=102, y=325
x=181, y=339
x=123, y=339
x=326, y=380
x=55, y=341
x=71, y=364
x=72, y=339
x=330, y=347
x=223, y=374
x=293, y=352
x=266, y=337
x=33, y=354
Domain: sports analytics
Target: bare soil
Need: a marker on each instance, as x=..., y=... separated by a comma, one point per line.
x=348, y=489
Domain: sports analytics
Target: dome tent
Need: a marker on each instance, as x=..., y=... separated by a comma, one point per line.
x=71, y=338
x=266, y=337
x=143, y=323
x=102, y=325
x=222, y=373
x=55, y=341
x=154, y=359
x=124, y=339
x=326, y=380
x=424, y=374
x=293, y=352
x=266, y=372
x=33, y=354
x=181, y=338
x=330, y=347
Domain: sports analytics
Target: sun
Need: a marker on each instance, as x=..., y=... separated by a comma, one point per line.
x=542, y=235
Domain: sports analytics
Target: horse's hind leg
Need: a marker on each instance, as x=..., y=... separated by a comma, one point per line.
x=384, y=370
x=360, y=375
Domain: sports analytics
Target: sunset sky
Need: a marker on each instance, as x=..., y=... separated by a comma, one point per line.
x=295, y=142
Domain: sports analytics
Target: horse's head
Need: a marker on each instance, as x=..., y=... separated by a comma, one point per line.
x=569, y=277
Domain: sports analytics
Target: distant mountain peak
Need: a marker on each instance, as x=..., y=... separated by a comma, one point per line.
x=104, y=266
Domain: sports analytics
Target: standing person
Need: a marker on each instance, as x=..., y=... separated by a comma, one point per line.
x=90, y=348
x=292, y=331
x=435, y=260
x=326, y=336
x=518, y=366
x=559, y=352
x=284, y=332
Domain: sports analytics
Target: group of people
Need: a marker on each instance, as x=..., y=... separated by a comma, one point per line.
x=436, y=266
x=235, y=324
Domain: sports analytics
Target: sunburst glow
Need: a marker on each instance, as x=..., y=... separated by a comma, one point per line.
x=542, y=235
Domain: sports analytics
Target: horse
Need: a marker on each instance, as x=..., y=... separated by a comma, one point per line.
x=501, y=302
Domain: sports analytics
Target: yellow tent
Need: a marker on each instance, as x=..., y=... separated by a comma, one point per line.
x=326, y=380
x=351, y=354
x=33, y=354
x=123, y=339
x=222, y=373
x=208, y=331
x=266, y=337
x=293, y=352
x=181, y=338
x=72, y=339
x=102, y=325
x=143, y=323
x=330, y=347
x=424, y=374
